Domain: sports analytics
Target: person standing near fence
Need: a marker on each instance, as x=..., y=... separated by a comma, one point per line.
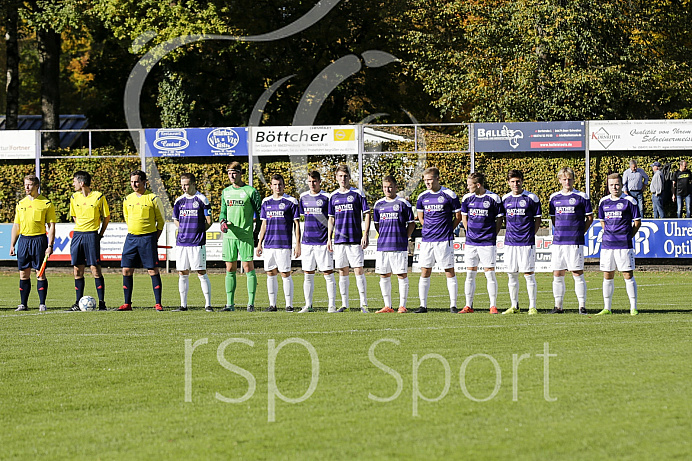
x=633, y=181
x=681, y=188
x=656, y=189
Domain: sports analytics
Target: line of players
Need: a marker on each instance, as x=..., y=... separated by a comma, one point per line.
x=334, y=238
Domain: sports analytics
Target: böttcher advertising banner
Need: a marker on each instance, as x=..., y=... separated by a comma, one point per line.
x=305, y=140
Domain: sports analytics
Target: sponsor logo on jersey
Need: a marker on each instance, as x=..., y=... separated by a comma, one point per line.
x=275, y=214
x=564, y=210
x=477, y=212
x=344, y=207
x=188, y=213
x=432, y=208
x=234, y=202
x=613, y=214
x=388, y=216
x=511, y=212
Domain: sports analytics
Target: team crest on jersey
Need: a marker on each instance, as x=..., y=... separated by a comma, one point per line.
x=522, y=203
x=440, y=199
x=319, y=202
x=620, y=206
x=282, y=206
x=350, y=198
x=486, y=204
x=395, y=207
x=195, y=205
x=572, y=201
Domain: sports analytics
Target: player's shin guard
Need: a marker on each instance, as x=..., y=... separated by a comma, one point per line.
x=42, y=287
x=362, y=289
x=183, y=287
x=100, y=283
x=403, y=291
x=453, y=289
x=470, y=287
x=79, y=289
x=386, y=289
x=558, y=290
x=513, y=285
x=157, y=286
x=580, y=289
x=631, y=288
x=288, y=289
x=344, y=284
x=331, y=289
x=309, y=288
x=423, y=288
x=128, y=281
x=252, y=287
x=206, y=288
x=272, y=289
x=24, y=291
x=532, y=288
x=230, y=288
x=491, y=284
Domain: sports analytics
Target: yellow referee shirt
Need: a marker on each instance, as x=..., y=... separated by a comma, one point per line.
x=32, y=214
x=88, y=210
x=143, y=213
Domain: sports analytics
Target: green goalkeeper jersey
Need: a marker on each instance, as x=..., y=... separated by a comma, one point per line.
x=239, y=205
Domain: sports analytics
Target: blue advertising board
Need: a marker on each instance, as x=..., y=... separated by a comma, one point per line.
x=196, y=142
x=529, y=136
x=657, y=238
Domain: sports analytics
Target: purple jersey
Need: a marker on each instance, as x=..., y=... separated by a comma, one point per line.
x=482, y=212
x=191, y=213
x=438, y=210
x=347, y=208
x=617, y=215
x=392, y=218
x=279, y=215
x=521, y=212
x=315, y=210
x=569, y=209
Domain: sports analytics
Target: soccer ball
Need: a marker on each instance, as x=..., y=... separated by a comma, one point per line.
x=87, y=303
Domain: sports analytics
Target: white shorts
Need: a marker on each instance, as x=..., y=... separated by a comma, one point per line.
x=567, y=257
x=440, y=252
x=520, y=258
x=480, y=256
x=620, y=259
x=348, y=255
x=316, y=257
x=277, y=258
x=391, y=262
x=191, y=258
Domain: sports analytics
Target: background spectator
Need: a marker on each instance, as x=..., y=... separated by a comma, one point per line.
x=633, y=181
x=656, y=189
x=681, y=185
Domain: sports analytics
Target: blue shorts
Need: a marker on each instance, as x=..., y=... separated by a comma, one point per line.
x=85, y=249
x=31, y=251
x=140, y=251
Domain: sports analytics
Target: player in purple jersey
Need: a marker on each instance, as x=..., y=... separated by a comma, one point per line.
x=393, y=218
x=522, y=221
x=439, y=212
x=481, y=213
x=616, y=212
x=192, y=217
x=314, y=205
x=347, y=236
x=279, y=215
x=571, y=215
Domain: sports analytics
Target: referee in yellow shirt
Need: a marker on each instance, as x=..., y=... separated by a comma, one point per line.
x=142, y=210
x=91, y=215
x=32, y=214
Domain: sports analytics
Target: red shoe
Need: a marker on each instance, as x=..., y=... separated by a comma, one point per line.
x=466, y=310
x=402, y=310
x=493, y=310
x=125, y=307
x=385, y=310
x=158, y=307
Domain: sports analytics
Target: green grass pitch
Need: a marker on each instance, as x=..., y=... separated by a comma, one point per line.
x=128, y=385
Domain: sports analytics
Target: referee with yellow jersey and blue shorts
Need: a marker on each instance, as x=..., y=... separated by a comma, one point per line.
x=32, y=214
x=142, y=211
x=91, y=215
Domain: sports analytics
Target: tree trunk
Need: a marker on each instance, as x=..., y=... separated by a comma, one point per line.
x=12, y=59
x=49, y=57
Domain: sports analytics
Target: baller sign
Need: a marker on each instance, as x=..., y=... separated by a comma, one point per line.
x=305, y=140
x=529, y=136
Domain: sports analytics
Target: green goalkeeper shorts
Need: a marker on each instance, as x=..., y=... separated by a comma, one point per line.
x=234, y=249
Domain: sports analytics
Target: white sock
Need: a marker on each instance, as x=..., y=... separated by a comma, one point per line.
x=183, y=287
x=386, y=288
x=272, y=289
x=309, y=288
x=206, y=288
x=532, y=288
x=580, y=289
x=491, y=283
x=608, y=288
x=344, y=284
x=470, y=287
x=403, y=291
x=631, y=287
x=513, y=286
x=331, y=289
x=423, y=288
x=452, y=288
x=288, y=289
x=558, y=290
x=362, y=285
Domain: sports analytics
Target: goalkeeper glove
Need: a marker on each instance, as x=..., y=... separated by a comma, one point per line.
x=224, y=226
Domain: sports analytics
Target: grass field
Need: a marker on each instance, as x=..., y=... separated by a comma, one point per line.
x=111, y=385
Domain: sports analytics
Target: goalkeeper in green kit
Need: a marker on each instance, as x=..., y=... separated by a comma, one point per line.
x=239, y=205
